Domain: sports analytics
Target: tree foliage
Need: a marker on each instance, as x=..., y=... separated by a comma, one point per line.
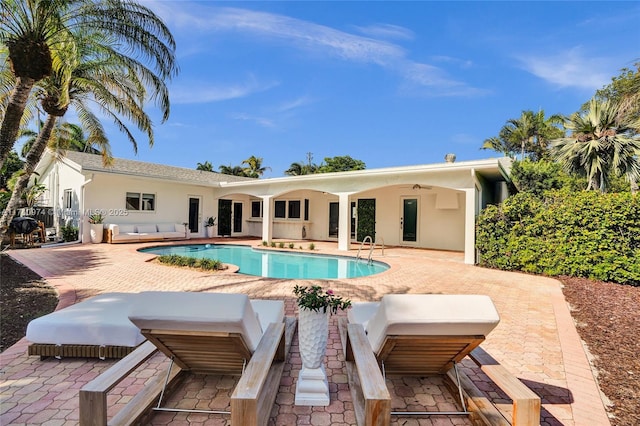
x=601, y=145
x=206, y=166
x=342, y=163
x=527, y=135
x=624, y=89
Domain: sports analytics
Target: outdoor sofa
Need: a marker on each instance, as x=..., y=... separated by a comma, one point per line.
x=135, y=233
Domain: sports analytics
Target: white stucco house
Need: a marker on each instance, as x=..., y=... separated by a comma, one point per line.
x=428, y=206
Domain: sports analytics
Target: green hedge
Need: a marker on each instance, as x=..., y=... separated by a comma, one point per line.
x=582, y=234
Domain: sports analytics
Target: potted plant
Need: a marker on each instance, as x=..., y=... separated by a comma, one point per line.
x=314, y=307
x=95, y=222
x=209, y=224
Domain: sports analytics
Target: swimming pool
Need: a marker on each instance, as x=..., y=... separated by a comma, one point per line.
x=272, y=264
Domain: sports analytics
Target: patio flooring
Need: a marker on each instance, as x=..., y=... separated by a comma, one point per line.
x=536, y=339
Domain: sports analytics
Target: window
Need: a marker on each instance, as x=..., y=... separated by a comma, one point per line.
x=280, y=209
x=294, y=209
x=138, y=201
x=68, y=197
x=306, y=209
x=133, y=201
x=256, y=209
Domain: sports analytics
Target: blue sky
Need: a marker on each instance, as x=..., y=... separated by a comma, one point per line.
x=389, y=83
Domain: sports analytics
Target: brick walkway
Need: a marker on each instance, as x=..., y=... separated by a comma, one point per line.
x=536, y=339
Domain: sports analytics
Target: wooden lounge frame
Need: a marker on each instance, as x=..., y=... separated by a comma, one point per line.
x=45, y=350
x=202, y=352
x=408, y=355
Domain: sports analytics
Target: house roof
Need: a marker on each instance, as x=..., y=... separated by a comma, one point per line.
x=93, y=163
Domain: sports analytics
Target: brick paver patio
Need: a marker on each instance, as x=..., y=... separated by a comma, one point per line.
x=536, y=339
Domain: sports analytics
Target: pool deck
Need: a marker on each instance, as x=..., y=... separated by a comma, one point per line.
x=536, y=339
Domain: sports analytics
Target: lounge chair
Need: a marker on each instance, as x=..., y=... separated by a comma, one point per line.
x=211, y=333
x=419, y=335
x=97, y=327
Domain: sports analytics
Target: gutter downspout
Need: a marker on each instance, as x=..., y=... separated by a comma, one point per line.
x=81, y=222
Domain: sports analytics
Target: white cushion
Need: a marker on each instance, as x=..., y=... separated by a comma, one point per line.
x=100, y=320
x=268, y=311
x=185, y=311
x=126, y=228
x=426, y=314
x=147, y=228
x=166, y=227
x=126, y=237
x=115, y=229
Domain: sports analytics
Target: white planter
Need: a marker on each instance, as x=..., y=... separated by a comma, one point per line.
x=210, y=231
x=313, y=331
x=96, y=230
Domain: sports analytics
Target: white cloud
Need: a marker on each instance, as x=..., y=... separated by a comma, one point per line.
x=387, y=31
x=571, y=68
x=262, y=121
x=316, y=38
x=203, y=92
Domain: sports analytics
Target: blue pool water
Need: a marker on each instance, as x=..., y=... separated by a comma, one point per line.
x=273, y=264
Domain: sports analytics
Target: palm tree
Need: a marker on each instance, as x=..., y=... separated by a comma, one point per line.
x=206, y=166
x=530, y=133
x=92, y=71
x=65, y=137
x=602, y=143
x=255, y=169
x=232, y=170
x=34, y=31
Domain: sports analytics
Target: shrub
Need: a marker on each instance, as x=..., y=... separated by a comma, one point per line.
x=291, y=245
x=69, y=233
x=264, y=243
x=583, y=234
x=191, y=262
x=280, y=244
x=312, y=246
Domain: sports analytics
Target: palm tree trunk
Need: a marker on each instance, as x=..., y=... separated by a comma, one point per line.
x=33, y=157
x=13, y=115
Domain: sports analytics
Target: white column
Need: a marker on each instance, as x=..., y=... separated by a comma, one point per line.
x=267, y=221
x=470, y=227
x=343, y=222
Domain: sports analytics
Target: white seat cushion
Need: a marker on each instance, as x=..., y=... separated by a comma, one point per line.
x=146, y=229
x=166, y=227
x=100, y=320
x=126, y=229
x=231, y=313
x=425, y=314
x=268, y=311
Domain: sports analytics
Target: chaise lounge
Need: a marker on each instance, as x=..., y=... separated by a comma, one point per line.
x=210, y=333
x=418, y=335
x=96, y=328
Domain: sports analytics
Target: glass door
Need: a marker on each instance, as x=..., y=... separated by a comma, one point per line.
x=409, y=220
x=224, y=218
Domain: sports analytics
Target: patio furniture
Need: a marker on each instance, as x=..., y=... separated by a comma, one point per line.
x=95, y=328
x=210, y=333
x=418, y=335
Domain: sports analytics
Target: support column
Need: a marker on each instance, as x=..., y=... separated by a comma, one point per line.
x=470, y=226
x=343, y=222
x=267, y=220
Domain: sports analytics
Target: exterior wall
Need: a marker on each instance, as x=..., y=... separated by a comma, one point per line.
x=106, y=194
x=59, y=179
x=439, y=226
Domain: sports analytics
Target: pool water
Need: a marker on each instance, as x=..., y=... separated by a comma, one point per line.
x=263, y=263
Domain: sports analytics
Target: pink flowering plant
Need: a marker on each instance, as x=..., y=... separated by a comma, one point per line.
x=315, y=298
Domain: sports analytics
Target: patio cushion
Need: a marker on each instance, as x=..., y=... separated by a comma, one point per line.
x=100, y=320
x=232, y=313
x=425, y=314
x=148, y=228
x=167, y=227
x=126, y=228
